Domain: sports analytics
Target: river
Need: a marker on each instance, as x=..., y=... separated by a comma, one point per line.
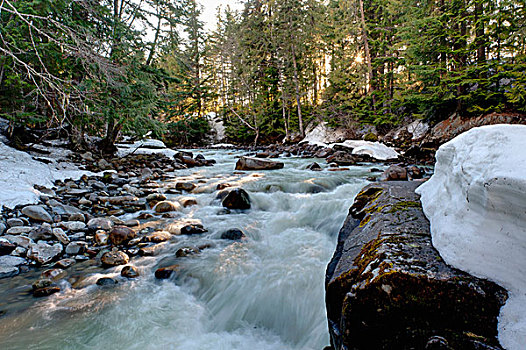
x=265, y=292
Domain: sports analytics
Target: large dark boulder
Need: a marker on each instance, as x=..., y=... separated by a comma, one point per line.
x=246, y=163
x=237, y=198
x=388, y=288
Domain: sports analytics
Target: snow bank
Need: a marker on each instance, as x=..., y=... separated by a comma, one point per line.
x=20, y=172
x=376, y=150
x=476, y=203
x=147, y=146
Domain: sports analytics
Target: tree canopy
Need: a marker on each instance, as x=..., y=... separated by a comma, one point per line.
x=109, y=67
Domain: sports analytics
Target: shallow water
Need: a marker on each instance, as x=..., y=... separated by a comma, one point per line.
x=265, y=292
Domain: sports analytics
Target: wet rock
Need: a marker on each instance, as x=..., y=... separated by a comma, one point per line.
x=185, y=186
x=6, y=247
x=53, y=274
x=166, y=206
x=18, y=230
x=233, y=234
x=166, y=272
x=130, y=272
x=246, y=163
x=75, y=248
x=152, y=250
x=158, y=237
x=342, y=158
x=65, y=263
x=155, y=197
x=2, y=228
x=43, y=253
x=100, y=224
x=237, y=198
x=46, y=291
x=394, y=173
x=415, y=172
x=114, y=258
x=42, y=283
x=121, y=235
x=193, y=229
x=14, y=222
x=187, y=201
x=37, y=213
x=314, y=166
x=106, y=282
x=186, y=251
x=388, y=288
x=60, y=235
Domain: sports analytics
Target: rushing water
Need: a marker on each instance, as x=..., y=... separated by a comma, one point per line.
x=266, y=292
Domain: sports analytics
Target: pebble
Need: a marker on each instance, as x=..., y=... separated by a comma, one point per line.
x=65, y=263
x=61, y=235
x=18, y=230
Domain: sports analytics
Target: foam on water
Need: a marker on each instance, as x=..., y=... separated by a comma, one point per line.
x=265, y=292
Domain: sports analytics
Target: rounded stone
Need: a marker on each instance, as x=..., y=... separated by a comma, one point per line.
x=114, y=258
x=129, y=271
x=121, y=234
x=233, y=234
x=166, y=206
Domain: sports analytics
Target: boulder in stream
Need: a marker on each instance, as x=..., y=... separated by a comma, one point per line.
x=387, y=287
x=247, y=163
x=237, y=198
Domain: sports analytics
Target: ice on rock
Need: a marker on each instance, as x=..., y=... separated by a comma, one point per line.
x=476, y=204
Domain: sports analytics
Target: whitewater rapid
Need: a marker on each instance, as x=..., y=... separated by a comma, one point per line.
x=266, y=292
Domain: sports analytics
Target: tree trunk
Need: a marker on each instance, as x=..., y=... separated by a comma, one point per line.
x=297, y=86
x=366, y=48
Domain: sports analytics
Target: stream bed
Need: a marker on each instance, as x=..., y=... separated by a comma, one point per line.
x=264, y=292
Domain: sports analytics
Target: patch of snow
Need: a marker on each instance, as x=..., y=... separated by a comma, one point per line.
x=324, y=134
x=146, y=146
x=418, y=129
x=20, y=172
x=476, y=203
x=222, y=145
x=376, y=150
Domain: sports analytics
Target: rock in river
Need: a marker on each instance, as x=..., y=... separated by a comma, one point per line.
x=121, y=235
x=129, y=272
x=388, y=288
x=246, y=163
x=114, y=258
x=238, y=198
x=166, y=206
x=233, y=234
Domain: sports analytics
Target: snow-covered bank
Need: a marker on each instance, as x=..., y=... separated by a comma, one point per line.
x=476, y=203
x=376, y=150
x=20, y=172
x=147, y=146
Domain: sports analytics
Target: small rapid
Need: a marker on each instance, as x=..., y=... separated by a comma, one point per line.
x=264, y=292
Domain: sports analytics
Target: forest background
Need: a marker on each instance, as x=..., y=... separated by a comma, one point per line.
x=114, y=67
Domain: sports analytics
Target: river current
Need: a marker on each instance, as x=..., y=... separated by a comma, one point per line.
x=265, y=292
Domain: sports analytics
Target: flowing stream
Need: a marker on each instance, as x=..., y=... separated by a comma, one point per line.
x=265, y=292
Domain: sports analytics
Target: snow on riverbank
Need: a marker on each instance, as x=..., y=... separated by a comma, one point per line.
x=147, y=146
x=476, y=203
x=20, y=172
x=376, y=150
